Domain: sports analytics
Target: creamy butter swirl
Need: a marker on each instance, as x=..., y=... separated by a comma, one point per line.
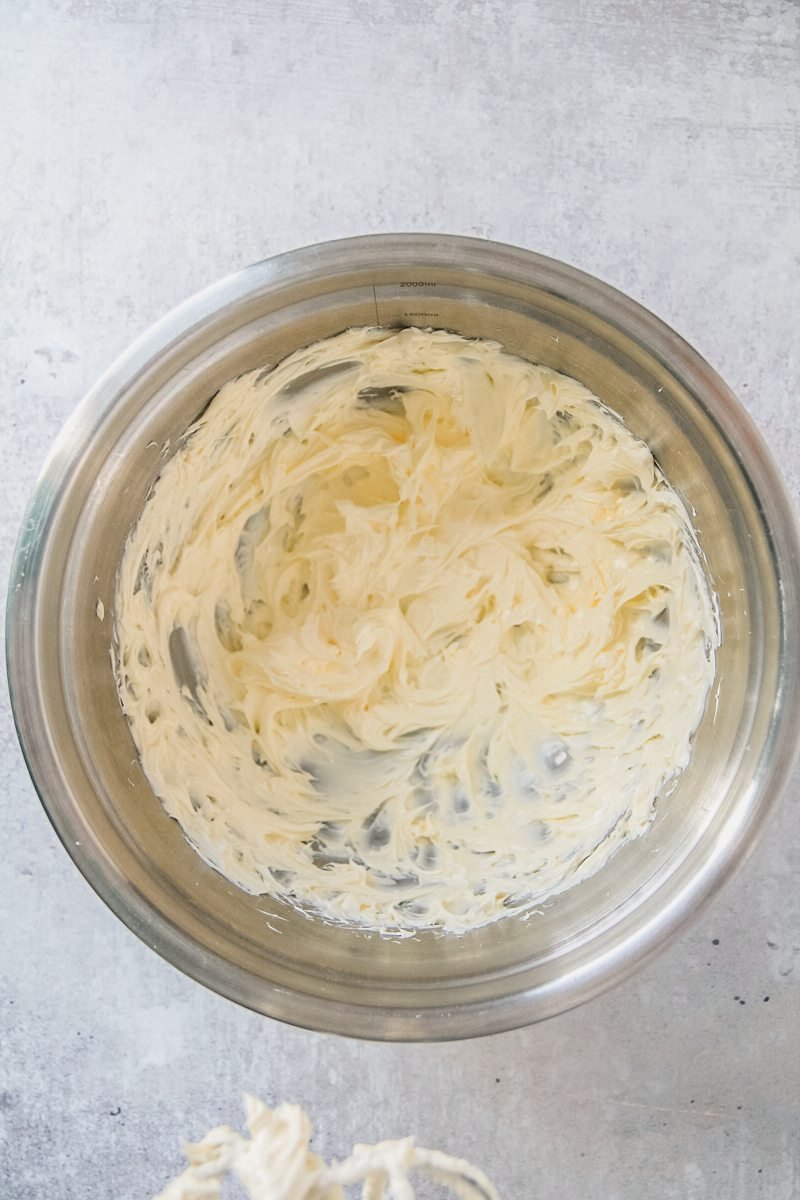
x=411, y=632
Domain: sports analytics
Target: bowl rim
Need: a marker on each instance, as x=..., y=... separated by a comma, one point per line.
x=643, y=942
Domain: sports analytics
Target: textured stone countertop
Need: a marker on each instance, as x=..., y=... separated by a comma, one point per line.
x=150, y=147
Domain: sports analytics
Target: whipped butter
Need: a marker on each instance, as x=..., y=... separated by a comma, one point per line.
x=411, y=632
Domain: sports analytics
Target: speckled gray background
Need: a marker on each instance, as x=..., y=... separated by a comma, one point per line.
x=149, y=148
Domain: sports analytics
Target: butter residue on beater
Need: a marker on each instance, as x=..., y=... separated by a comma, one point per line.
x=276, y=1163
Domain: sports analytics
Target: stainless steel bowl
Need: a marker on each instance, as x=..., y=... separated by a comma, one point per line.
x=77, y=743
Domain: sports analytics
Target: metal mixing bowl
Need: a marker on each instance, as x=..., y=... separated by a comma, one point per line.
x=79, y=749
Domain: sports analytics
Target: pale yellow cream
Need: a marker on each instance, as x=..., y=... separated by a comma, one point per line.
x=411, y=632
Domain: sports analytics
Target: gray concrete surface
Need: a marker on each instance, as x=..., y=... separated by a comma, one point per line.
x=148, y=148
